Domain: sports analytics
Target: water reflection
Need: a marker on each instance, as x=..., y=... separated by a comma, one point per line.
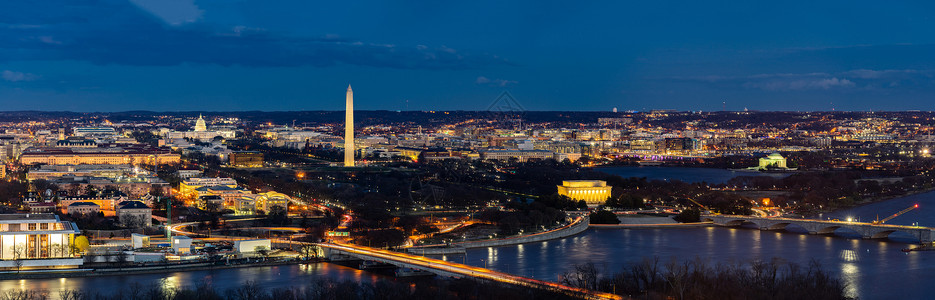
x=268, y=277
x=613, y=249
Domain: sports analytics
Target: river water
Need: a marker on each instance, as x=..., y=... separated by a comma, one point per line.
x=284, y=276
x=872, y=269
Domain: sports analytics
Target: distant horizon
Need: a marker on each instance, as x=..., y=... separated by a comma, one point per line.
x=461, y=110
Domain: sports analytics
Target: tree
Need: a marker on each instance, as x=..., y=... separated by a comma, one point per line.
x=690, y=215
x=262, y=250
x=122, y=258
x=58, y=250
x=81, y=243
x=19, y=251
x=604, y=217
x=308, y=251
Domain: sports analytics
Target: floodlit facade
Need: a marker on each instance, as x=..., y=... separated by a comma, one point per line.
x=246, y=159
x=192, y=184
x=349, y=128
x=774, y=160
x=593, y=192
x=38, y=240
x=111, y=155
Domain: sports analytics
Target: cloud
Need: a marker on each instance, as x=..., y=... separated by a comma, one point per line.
x=118, y=32
x=173, y=12
x=783, y=84
x=494, y=82
x=14, y=76
x=858, y=78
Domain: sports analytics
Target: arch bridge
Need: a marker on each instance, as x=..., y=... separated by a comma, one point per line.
x=867, y=230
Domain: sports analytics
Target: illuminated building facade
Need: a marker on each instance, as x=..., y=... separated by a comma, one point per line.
x=593, y=192
x=246, y=159
x=774, y=160
x=102, y=155
x=39, y=240
x=190, y=185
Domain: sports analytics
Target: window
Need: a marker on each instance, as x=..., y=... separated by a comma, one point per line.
x=43, y=226
x=44, y=245
x=31, y=246
x=31, y=226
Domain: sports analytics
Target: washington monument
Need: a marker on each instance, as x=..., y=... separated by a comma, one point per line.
x=349, y=129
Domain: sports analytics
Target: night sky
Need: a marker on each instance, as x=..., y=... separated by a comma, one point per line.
x=229, y=55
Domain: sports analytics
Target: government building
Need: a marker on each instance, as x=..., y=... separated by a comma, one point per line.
x=107, y=154
x=593, y=192
x=200, y=132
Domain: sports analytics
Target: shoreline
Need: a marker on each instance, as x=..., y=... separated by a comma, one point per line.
x=572, y=229
x=165, y=269
x=882, y=199
x=651, y=226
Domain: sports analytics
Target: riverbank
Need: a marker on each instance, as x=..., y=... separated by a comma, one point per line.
x=137, y=270
x=649, y=226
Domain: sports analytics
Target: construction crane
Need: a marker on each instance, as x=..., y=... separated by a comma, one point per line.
x=895, y=215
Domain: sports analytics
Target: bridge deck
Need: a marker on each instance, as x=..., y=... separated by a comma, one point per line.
x=464, y=270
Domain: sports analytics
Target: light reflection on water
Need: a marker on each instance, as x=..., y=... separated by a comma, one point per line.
x=871, y=269
x=268, y=277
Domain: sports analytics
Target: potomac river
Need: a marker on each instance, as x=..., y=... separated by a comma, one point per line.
x=872, y=269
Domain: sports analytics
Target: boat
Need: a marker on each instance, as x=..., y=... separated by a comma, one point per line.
x=408, y=272
x=370, y=265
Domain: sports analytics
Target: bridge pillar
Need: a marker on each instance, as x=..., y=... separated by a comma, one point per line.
x=926, y=236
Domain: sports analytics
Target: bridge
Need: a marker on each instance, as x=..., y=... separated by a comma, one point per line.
x=867, y=230
x=456, y=270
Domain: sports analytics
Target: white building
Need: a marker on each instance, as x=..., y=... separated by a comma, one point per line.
x=39, y=240
x=83, y=208
x=200, y=132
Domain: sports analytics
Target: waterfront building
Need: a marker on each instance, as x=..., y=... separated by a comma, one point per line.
x=774, y=160
x=181, y=244
x=38, y=240
x=593, y=192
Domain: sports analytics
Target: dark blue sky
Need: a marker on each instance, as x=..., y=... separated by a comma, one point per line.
x=168, y=55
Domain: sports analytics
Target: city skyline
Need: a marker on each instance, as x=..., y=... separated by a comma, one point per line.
x=184, y=55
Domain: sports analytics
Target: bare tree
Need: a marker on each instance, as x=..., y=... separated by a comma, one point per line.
x=19, y=251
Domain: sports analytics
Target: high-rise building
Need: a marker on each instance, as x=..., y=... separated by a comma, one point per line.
x=349, y=128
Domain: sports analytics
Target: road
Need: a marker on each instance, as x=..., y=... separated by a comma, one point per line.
x=466, y=270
